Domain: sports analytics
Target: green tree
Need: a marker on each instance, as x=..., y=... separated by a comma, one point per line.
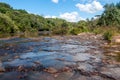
x=7, y=25
x=4, y=7
x=111, y=16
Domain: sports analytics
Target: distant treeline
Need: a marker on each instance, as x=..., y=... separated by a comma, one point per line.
x=17, y=21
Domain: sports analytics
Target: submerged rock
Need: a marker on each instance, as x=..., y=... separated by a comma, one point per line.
x=51, y=70
x=2, y=69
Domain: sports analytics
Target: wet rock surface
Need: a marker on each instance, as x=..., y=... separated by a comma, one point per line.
x=79, y=57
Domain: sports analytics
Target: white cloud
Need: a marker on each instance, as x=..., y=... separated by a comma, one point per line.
x=71, y=17
x=55, y=1
x=48, y=16
x=90, y=7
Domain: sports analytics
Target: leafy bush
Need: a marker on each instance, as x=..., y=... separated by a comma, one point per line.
x=60, y=31
x=108, y=35
x=75, y=31
x=97, y=30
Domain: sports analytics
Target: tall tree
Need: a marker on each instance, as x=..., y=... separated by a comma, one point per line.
x=111, y=16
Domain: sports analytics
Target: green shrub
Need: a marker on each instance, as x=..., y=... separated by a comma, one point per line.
x=75, y=31
x=60, y=31
x=97, y=30
x=118, y=57
x=108, y=35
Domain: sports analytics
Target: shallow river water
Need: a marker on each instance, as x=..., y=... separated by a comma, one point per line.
x=51, y=58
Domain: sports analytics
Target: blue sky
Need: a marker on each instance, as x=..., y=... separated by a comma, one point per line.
x=71, y=10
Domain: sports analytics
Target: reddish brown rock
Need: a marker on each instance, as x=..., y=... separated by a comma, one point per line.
x=51, y=70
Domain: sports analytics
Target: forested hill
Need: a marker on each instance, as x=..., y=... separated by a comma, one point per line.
x=14, y=21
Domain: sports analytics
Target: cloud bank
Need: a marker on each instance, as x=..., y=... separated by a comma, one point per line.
x=71, y=17
x=90, y=7
x=68, y=16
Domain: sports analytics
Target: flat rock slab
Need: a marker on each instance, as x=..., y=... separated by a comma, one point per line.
x=112, y=73
x=116, y=39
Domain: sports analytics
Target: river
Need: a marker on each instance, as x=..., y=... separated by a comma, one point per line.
x=56, y=58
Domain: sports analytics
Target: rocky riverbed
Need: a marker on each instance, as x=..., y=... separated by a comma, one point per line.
x=82, y=57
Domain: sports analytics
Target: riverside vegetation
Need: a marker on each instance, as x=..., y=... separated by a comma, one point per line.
x=19, y=22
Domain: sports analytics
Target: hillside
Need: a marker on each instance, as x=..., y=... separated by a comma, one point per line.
x=17, y=21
